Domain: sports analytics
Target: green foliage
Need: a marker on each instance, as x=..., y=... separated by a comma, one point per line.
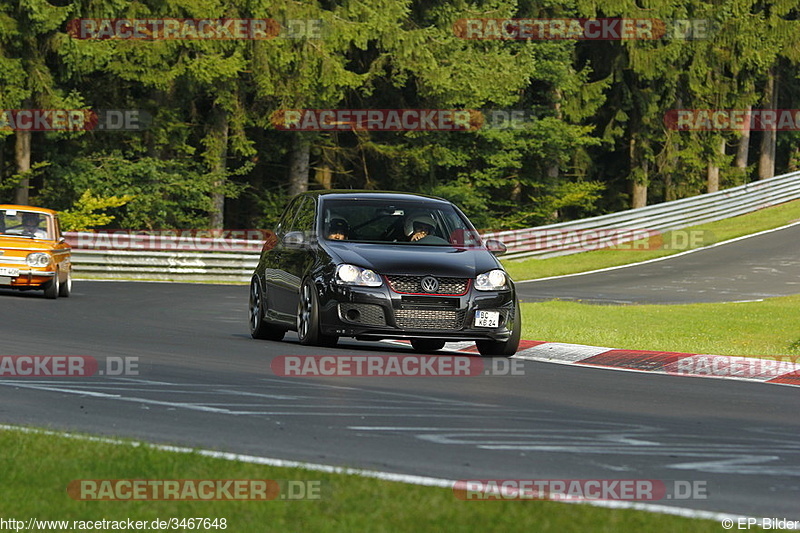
x=83, y=216
x=566, y=201
x=599, y=105
x=162, y=194
x=10, y=183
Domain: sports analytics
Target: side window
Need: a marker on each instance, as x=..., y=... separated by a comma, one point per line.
x=304, y=221
x=285, y=222
x=56, y=228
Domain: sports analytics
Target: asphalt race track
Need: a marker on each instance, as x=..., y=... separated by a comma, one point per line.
x=754, y=268
x=202, y=381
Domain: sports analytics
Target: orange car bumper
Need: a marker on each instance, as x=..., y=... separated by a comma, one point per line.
x=27, y=278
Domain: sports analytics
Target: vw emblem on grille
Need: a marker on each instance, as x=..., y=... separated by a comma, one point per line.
x=429, y=284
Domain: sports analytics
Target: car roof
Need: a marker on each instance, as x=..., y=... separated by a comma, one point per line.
x=27, y=208
x=345, y=194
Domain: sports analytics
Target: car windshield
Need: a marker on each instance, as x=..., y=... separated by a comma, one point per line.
x=26, y=224
x=401, y=222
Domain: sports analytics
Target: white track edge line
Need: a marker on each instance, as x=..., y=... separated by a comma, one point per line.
x=375, y=474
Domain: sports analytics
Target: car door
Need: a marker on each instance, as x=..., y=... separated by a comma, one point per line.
x=275, y=281
x=61, y=250
x=296, y=255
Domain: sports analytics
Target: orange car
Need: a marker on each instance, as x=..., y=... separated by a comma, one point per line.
x=33, y=254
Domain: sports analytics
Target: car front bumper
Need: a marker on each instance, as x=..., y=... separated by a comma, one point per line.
x=380, y=313
x=27, y=277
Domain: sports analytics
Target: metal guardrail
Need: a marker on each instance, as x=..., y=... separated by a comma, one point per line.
x=598, y=232
x=152, y=265
x=543, y=241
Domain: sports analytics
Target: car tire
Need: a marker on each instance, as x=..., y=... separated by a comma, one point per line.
x=53, y=288
x=503, y=348
x=65, y=288
x=259, y=329
x=308, y=330
x=427, y=345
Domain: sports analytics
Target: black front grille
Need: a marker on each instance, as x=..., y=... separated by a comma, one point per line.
x=428, y=319
x=366, y=314
x=429, y=302
x=412, y=284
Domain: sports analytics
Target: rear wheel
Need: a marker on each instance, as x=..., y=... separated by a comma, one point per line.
x=427, y=345
x=503, y=348
x=53, y=287
x=66, y=288
x=258, y=328
x=308, y=329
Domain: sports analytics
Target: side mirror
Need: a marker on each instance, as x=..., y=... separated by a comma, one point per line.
x=294, y=240
x=496, y=247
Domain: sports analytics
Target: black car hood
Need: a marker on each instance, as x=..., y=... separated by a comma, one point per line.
x=415, y=259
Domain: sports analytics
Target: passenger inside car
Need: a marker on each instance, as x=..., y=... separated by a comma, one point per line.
x=421, y=227
x=29, y=227
x=338, y=229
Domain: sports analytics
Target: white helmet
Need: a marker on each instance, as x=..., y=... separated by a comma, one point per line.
x=418, y=218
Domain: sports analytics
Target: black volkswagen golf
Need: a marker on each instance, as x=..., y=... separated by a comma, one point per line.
x=382, y=265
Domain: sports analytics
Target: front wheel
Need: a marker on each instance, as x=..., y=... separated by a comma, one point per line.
x=258, y=328
x=66, y=288
x=308, y=329
x=53, y=287
x=503, y=348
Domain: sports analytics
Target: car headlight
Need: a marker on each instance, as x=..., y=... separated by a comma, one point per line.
x=494, y=280
x=353, y=275
x=38, y=259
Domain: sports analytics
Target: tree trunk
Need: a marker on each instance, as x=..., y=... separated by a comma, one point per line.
x=744, y=145
x=22, y=155
x=712, y=172
x=638, y=188
x=639, y=195
x=219, y=157
x=553, y=169
x=2, y=159
x=766, y=162
x=324, y=176
x=299, y=165
x=669, y=188
x=516, y=192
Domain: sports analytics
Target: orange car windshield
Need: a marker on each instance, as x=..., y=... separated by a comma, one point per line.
x=25, y=224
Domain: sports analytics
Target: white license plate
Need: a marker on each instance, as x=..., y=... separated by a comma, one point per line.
x=487, y=319
x=7, y=271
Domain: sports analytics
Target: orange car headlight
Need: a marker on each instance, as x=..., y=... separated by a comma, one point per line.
x=38, y=259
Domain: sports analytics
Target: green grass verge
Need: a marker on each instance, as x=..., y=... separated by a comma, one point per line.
x=770, y=328
x=723, y=230
x=37, y=469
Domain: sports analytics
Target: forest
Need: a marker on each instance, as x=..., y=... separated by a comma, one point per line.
x=212, y=113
